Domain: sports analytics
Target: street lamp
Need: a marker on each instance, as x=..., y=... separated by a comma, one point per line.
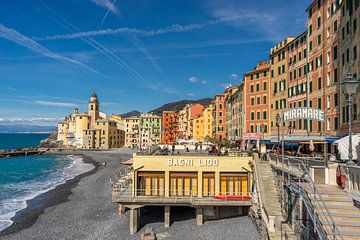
x=262, y=129
x=349, y=86
x=278, y=119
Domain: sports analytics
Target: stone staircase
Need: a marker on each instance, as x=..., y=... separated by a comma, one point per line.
x=342, y=210
x=271, y=204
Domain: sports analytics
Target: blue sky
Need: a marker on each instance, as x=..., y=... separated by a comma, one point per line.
x=134, y=54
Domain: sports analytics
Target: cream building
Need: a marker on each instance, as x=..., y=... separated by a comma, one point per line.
x=132, y=132
x=89, y=129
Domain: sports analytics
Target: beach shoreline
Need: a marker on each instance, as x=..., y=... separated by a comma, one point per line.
x=36, y=206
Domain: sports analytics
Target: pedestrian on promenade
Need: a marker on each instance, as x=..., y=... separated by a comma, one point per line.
x=200, y=146
x=173, y=149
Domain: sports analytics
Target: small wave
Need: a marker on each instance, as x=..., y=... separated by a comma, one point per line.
x=30, y=189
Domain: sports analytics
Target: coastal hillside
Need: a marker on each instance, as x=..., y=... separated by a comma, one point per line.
x=176, y=106
x=173, y=106
x=133, y=113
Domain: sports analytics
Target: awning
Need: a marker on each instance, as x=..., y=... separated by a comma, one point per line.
x=287, y=144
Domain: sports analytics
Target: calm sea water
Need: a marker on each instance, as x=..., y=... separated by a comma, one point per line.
x=23, y=178
x=17, y=140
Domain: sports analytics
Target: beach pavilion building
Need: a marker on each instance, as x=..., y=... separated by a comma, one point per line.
x=215, y=186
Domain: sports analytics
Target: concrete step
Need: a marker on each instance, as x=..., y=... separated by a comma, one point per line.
x=343, y=210
x=331, y=196
x=344, y=207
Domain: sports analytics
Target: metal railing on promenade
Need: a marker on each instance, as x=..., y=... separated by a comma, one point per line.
x=181, y=196
x=299, y=180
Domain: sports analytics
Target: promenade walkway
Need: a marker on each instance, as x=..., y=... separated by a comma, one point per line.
x=270, y=205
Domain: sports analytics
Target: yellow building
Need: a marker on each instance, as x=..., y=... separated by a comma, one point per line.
x=215, y=186
x=278, y=88
x=104, y=135
x=207, y=114
x=91, y=129
x=198, y=128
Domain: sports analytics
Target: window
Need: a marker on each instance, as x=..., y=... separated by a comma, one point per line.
x=328, y=101
x=300, y=73
x=252, y=116
x=299, y=56
x=265, y=73
x=336, y=100
x=319, y=103
x=251, y=77
x=328, y=81
x=294, y=59
x=283, y=55
x=343, y=33
x=252, y=101
x=257, y=75
x=305, y=53
x=335, y=75
x=310, y=87
x=264, y=115
x=319, y=83
x=279, y=70
x=354, y=25
x=319, y=39
x=319, y=22
x=328, y=57
x=291, y=76
x=294, y=74
x=336, y=123
x=347, y=27
x=265, y=86
x=272, y=73
x=264, y=99
x=318, y=4
x=251, y=88
x=347, y=55
x=275, y=87
x=277, y=105
x=257, y=87
x=283, y=68
x=335, y=52
x=354, y=52
x=335, y=26
x=258, y=101
x=310, y=46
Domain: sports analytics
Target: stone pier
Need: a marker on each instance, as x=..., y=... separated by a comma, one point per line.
x=167, y=216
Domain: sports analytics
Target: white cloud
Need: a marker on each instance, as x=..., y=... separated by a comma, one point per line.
x=110, y=6
x=203, y=82
x=193, y=79
x=233, y=76
x=175, y=28
x=20, y=39
x=55, y=104
x=226, y=85
x=190, y=94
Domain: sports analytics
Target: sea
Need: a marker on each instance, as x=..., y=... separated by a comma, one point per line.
x=25, y=177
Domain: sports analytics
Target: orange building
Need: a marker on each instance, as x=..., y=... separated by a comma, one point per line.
x=256, y=96
x=194, y=112
x=219, y=117
x=170, y=129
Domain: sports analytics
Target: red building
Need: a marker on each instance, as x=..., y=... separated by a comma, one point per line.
x=256, y=89
x=170, y=128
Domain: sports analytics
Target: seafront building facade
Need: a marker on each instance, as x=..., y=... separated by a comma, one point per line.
x=278, y=84
x=90, y=130
x=256, y=100
x=349, y=51
x=200, y=182
x=219, y=117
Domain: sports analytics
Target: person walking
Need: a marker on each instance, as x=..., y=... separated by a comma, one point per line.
x=173, y=149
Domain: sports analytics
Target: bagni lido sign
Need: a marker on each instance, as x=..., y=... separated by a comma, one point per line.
x=303, y=113
x=190, y=162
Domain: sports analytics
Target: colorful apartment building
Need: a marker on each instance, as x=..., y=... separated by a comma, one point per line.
x=219, y=117
x=132, y=132
x=297, y=82
x=278, y=87
x=324, y=64
x=256, y=100
x=350, y=59
x=234, y=101
x=170, y=127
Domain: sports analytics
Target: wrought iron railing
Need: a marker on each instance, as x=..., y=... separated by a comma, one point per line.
x=324, y=224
